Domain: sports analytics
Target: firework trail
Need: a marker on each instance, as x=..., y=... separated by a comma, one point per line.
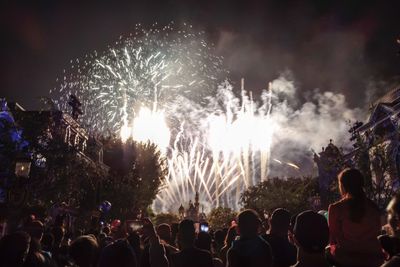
x=147, y=67
x=165, y=86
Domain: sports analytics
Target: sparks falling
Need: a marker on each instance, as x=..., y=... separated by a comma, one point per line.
x=149, y=66
x=166, y=86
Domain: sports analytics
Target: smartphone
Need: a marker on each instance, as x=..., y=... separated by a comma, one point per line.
x=204, y=228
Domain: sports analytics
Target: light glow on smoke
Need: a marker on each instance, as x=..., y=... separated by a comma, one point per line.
x=163, y=89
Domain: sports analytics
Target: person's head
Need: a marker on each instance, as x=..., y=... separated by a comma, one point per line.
x=393, y=210
x=311, y=232
x=351, y=183
x=280, y=222
x=35, y=229
x=230, y=235
x=164, y=232
x=186, y=233
x=84, y=251
x=248, y=223
x=351, y=186
x=219, y=237
x=118, y=253
x=389, y=244
x=203, y=241
x=14, y=248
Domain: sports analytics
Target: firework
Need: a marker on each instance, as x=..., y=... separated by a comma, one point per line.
x=164, y=86
x=149, y=66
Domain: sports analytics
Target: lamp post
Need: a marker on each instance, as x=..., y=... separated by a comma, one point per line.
x=23, y=167
x=17, y=193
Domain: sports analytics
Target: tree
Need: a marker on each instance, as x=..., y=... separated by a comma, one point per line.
x=221, y=217
x=372, y=150
x=381, y=189
x=59, y=172
x=137, y=171
x=292, y=194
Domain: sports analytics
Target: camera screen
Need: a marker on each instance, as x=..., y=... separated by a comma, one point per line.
x=204, y=228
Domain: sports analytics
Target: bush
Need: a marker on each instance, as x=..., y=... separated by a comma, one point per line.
x=292, y=194
x=221, y=217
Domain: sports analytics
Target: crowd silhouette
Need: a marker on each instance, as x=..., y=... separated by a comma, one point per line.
x=353, y=235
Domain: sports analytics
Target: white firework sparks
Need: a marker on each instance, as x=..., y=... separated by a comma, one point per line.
x=148, y=66
x=162, y=86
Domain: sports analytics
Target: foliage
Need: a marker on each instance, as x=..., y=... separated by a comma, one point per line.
x=67, y=177
x=291, y=193
x=136, y=172
x=61, y=173
x=372, y=151
x=361, y=157
x=381, y=189
x=11, y=142
x=168, y=218
x=221, y=217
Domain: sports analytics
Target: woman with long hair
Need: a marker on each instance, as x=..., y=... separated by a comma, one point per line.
x=354, y=224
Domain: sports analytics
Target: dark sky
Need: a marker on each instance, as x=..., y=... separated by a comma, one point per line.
x=341, y=46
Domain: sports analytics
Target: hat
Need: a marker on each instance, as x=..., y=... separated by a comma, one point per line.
x=311, y=231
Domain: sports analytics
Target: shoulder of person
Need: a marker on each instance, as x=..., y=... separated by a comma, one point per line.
x=204, y=252
x=393, y=262
x=337, y=205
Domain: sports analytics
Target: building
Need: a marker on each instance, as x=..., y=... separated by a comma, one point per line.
x=193, y=211
x=32, y=131
x=376, y=148
x=381, y=133
x=62, y=126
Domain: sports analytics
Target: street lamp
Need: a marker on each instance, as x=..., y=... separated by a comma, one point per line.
x=23, y=167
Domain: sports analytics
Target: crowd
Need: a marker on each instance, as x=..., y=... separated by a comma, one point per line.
x=353, y=235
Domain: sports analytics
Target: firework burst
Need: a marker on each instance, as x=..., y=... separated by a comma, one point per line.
x=149, y=66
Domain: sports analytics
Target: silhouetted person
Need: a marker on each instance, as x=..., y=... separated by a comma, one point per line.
x=36, y=257
x=134, y=240
x=230, y=237
x=159, y=246
x=119, y=253
x=203, y=241
x=393, y=210
x=390, y=246
x=284, y=253
x=58, y=234
x=354, y=224
x=164, y=232
x=48, y=243
x=249, y=249
x=311, y=235
x=84, y=250
x=14, y=249
x=189, y=255
x=219, y=238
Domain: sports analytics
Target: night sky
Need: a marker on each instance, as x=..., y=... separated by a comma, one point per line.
x=342, y=46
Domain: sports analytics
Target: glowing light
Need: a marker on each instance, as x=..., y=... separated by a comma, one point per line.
x=215, y=143
x=148, y=66
x=293, y=165
x=125, y=133
x=151, y=126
